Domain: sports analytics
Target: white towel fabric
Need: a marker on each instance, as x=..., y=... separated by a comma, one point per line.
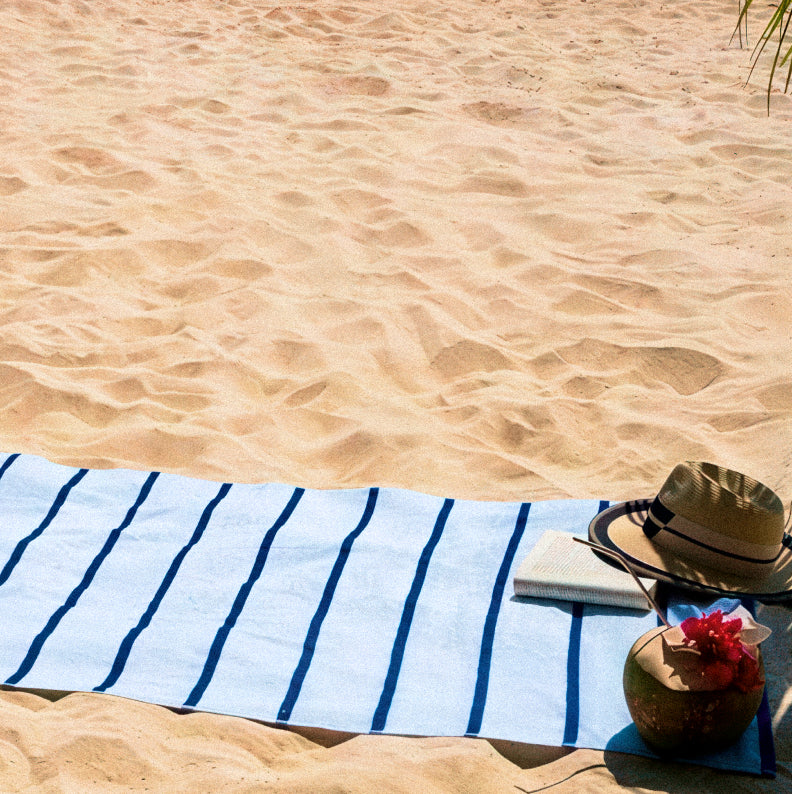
x=358, y=610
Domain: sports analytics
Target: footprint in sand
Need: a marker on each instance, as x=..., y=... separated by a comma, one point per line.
x=98, y=161
x=498, y=113
x=10, y=185
x=686, y=371
x=361, y=85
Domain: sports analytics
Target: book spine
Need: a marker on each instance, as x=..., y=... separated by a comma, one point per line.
x=583, y=594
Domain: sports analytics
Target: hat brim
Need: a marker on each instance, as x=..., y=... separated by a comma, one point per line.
x=620, y=528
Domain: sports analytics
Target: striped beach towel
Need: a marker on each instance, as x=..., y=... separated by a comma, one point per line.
x=364, y=610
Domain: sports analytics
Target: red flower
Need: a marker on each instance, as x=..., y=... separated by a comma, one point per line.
x=747, y=677
x=719, y=673
x=725, y=660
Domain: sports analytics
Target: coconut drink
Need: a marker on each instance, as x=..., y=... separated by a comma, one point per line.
x=696, y=687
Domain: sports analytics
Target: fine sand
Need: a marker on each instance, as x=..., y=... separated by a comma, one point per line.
x=497, y=250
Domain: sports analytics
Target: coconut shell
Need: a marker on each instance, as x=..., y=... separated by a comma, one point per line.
x=683, y=722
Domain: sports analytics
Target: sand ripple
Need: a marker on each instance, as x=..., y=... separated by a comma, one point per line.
x=337, y=245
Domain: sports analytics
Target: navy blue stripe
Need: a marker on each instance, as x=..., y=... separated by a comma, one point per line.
x=767, y=756
x=74, y=596
x=657, y=518
x=572, y=721
x=126, y=644
x=651, y=527
x=488, y=636
x=764, y=723
x=603, y=505
x=661, y=599
x=400, y=643
x=720, y=551
x=16, y=555
x=311, y=638
x=6, y=463
x=660, y=512
x=239, y=602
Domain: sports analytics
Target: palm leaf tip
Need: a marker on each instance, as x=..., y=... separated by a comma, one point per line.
x=779, y=22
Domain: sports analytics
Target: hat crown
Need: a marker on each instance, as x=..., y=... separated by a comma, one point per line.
x=710, y=529
x=725, y=501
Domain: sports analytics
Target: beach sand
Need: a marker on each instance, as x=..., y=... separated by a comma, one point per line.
x=493, y=250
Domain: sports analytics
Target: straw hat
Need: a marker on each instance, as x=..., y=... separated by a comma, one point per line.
x=710, y=529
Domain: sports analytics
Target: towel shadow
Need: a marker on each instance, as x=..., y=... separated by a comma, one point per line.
x=634, y=765
x=525, y=756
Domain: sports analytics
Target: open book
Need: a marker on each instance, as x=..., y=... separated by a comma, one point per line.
x=557, y=567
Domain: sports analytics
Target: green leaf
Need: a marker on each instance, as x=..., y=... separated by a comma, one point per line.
x=779, y=22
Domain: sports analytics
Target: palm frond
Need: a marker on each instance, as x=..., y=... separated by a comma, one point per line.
x=779, y=22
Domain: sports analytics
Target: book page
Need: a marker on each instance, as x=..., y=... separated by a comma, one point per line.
x=558, y=567
x=565, y=558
